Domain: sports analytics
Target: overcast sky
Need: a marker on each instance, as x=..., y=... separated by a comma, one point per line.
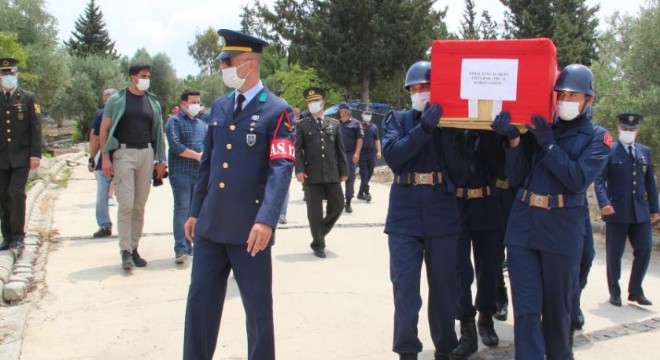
x=169, y=25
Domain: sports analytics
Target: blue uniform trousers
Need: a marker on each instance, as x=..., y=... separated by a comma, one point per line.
x=367, y=164
x=615, y=240
x=206, y=297
x=350, y=181
x=406, y=256
x=486, y=245
x=588, y=254
x=542, y=285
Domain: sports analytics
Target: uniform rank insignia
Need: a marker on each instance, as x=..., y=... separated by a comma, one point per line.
x=607, y=139
x=255, y=117
x=37, y=108
x=20, y=116
x=251, y=139
x=289, y=126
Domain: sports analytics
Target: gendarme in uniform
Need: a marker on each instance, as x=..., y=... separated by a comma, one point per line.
x=20, y=145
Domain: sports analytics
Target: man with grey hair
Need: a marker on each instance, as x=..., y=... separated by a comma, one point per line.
x=95, y=165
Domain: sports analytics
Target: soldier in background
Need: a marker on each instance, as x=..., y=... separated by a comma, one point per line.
x=20, y=152
x=628, y=200
x=370, y=152
x=321, y=166
x=352, y=134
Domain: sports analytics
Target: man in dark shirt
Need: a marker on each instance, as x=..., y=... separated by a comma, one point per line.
x=131, y=139
x=370, y=152
x=95, y=165
x=352, y=134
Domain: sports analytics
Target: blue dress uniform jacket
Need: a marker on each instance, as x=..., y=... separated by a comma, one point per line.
x=237, y=185
x=545, y=233
x=567, y=169
x=628, y=187
x=423, y=226
x=407, y=149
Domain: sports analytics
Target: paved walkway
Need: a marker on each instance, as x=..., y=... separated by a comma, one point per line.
x=337, y=308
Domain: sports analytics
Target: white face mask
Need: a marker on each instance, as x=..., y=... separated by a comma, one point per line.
x=143, y=84
x=568, y=110
x=193, y=109
x=230, y=77
x=419, y=100
x=627, y=137
x=315, y=107
x=9, y=82
x=366, y=118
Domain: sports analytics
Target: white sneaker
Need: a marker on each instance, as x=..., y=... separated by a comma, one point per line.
x=112, y=202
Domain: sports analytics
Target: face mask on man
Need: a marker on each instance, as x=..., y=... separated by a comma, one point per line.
x=366, y=117
x=315, y=107
x=193, y=109
x=568, y=110
x=143, y=84
x=230, y=77
x=627, y=137
x=9, y=82
x=420, y=99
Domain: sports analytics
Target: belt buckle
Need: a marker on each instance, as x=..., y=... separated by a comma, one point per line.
x=540, y=201
x=424, y=179
x=474, y=193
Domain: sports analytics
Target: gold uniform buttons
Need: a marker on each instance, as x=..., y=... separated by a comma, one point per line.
x=256, y=201
x=225, y=166
x=221, y=185
x=9, y=140
x=228, y=146
x=8, y=130
x=232, y=127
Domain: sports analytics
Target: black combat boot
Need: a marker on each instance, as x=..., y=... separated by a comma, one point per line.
x=126, y=260
x=441, y=356
x=407, y=356
x=367, y=196
x=360, y=195
x=502, y=304
x=4, y=245
x=467, y=344
x=487, y=331
x=137, y=259
x=348, y=207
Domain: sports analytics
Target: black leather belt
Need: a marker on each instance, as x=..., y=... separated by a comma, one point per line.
x=136, y=146
x=431, y=178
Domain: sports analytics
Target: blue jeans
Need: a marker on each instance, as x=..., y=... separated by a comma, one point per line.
x=102, y=190
x=182, y=188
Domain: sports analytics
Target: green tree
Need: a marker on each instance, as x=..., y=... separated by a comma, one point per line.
x=45, y=72
x=488, y=27
x=9, y=47
x=90, y=36
x=164, y=82
x=354, y=43
x=469, y=27
x=81, y=97
x=571, y=24
x=296, y=79
x=628, y=74
x=205, y=50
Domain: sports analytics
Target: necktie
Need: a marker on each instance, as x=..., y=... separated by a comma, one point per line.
x=630, y=153
x=7, y=96
x=239, y=105
x=319, y=123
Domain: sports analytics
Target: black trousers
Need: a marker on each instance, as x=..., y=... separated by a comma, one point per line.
x=12, y=202
x=318, y=224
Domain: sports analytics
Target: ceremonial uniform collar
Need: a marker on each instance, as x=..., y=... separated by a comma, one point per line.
x=250, y=93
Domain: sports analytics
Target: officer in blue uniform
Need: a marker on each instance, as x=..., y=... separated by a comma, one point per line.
x=423, y=224
x=554, y=164
x=20, y=152
x=371, y=151
x=628, y=200
x=482, y=228
x=352, y=135
x=238, y=196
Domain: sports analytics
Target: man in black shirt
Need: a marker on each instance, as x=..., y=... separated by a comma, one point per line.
x=131, y=139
